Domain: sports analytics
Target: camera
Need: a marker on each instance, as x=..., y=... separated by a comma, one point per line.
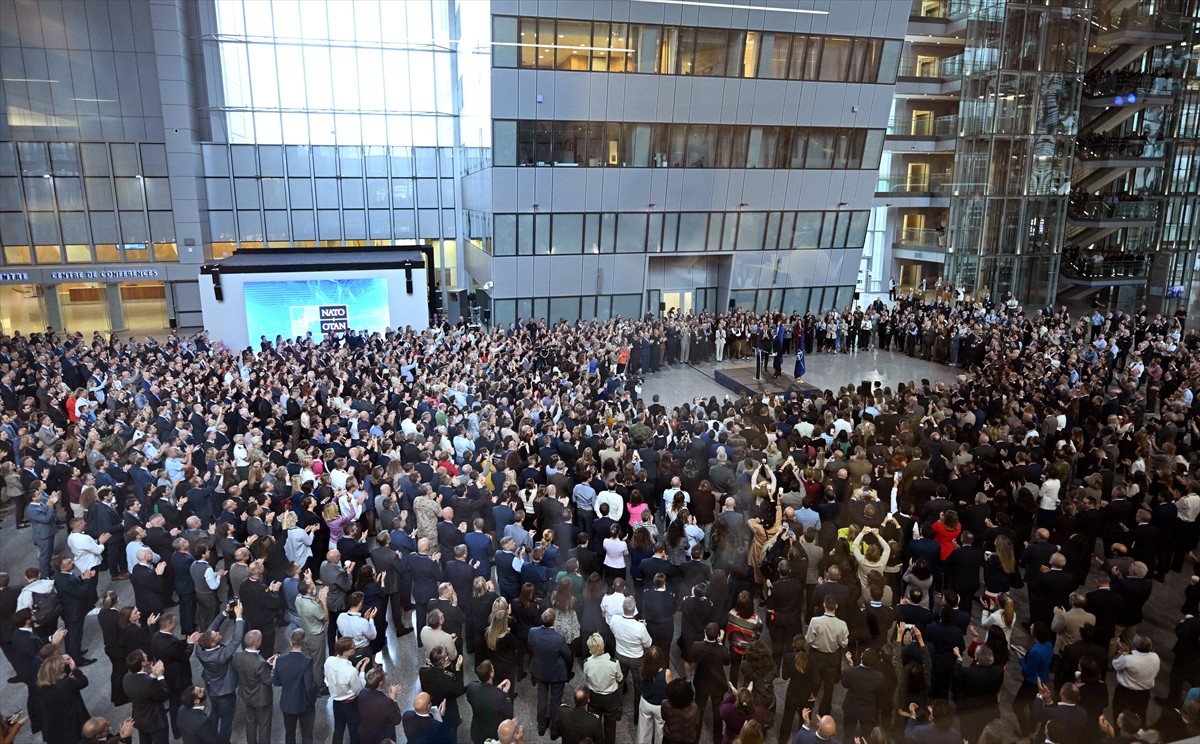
x=229, y=606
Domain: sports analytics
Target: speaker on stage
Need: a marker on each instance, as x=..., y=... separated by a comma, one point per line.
x=732, y=305
x=662, y=307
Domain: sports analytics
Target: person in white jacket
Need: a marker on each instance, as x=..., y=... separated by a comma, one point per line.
x=298, y=547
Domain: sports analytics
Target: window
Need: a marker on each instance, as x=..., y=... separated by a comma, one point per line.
x=568, y=233
x=631, y=233
x=711, y=52
x=835, y=59
x=773, y=56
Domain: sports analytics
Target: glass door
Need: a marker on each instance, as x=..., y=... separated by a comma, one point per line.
x=678, y=302
x=84, y=307
x=21, y=309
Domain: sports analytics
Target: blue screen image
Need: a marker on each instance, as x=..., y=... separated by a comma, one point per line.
x=319, y=306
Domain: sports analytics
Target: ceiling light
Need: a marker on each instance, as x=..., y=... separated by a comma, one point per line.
x=95, y=100
x=28, y=80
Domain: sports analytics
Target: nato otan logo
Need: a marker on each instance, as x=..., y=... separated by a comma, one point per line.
x=334, y=318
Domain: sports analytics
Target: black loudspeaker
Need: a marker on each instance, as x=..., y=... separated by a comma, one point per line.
x=217, y=293
x=173, y=323
x=408, y=281
x=856, y=295
x=732, y=305
x=662, y=307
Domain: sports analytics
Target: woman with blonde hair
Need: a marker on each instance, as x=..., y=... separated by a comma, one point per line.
x=63, y=709
x=503, y=649
x=602, y=674
x=1000, y=569
x=298, y=547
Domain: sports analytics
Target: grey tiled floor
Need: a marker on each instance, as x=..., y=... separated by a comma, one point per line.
x=675, y=385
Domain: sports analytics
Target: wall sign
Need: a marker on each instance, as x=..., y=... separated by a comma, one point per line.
x=14, y=276
x=105, y=274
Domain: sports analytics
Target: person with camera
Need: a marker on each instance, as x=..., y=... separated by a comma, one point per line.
x=216, y=667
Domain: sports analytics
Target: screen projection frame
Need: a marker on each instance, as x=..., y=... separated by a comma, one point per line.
x=407, y=271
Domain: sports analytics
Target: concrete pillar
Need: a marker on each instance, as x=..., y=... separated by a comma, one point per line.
x=116, y=311
x=53, y=312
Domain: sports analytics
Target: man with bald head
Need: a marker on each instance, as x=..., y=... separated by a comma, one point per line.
x=338, y=578
x=824, y=731
x=511, y=731
x=426, y=573
x=420, y=727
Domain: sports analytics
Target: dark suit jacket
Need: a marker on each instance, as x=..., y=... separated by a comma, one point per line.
x=1136, y=593
x=426, y=574
x=489, y=706
x=550, y=656
x=862, y=693
x=461, y=576
x=1071, y=718
x=197, y=727
x=176, y=656
x=386, y=559
x=576, y=724
x=254, y=679
x=708, y=662
x=294, y=673
x=1108, y=605
x=147, y=695
x=425, y=730
x=976, y=687
x=149, y=590
x=26, y=648
x=378, y=716
x=260, y=607
x=74, y=596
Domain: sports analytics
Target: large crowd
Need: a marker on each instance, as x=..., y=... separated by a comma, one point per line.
x=509, y=505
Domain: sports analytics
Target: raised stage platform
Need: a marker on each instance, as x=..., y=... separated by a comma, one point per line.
x=741, y=381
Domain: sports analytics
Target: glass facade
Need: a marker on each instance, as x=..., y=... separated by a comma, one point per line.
x=669, y=232
x=602, y=46
x=327, y=72
x=637, y=145
x=1019, y=116
x=67, y=202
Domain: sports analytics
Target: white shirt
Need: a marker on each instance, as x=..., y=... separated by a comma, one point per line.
x=1048, y=494
x=616, y=506
x=342, y=679
x=631, y=636
x=354, y=625
x=612, y=605
x=131, y=551
x=1188, y=508
x=1136, y=671
x=85, y=551
x=240, y=455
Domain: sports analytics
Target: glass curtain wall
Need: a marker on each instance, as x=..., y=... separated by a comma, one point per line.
x=1019, y=114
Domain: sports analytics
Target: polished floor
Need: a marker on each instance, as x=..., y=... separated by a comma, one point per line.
x=674, y=385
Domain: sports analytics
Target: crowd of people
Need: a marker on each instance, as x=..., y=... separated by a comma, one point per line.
x=509, y=506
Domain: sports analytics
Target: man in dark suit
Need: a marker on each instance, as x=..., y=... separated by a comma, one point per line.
x=710, y=658
x=262, y=604
x=1051, y=588
x=880, y=617
x=195, y=725
x=181, y=561
x=863, y=683
x=911, y=611
x=1108, y=606
x=426, y=573
x=490, y=704
x=576, y=722
x=387, y=561
x=549, y=664
x=508, y=568
x=255, y=676
x=150, y=592
x=975, y=690
x=176, y=656
x=420, y=727
x=1067, y=714
x=785, y=602
x=77, y=598
x=1135, y=589
x=378, y=710
x=26, y=648
x=297, y=699
x=146, y=689
x=8, y=608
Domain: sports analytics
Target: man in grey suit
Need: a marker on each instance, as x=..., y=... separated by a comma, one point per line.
x=387, y=561
x=255, y=676
x=216, y=668
x=45, y=526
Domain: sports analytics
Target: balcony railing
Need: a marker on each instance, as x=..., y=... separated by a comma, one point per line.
x=1119, y=148
x=1123, y=83
x=1140, y=18
x=931, y=67
x=1110, y=209
x=920, y=236
x=948, y=9
x=1098, y=265
x=900, y=183
x=924, y=126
